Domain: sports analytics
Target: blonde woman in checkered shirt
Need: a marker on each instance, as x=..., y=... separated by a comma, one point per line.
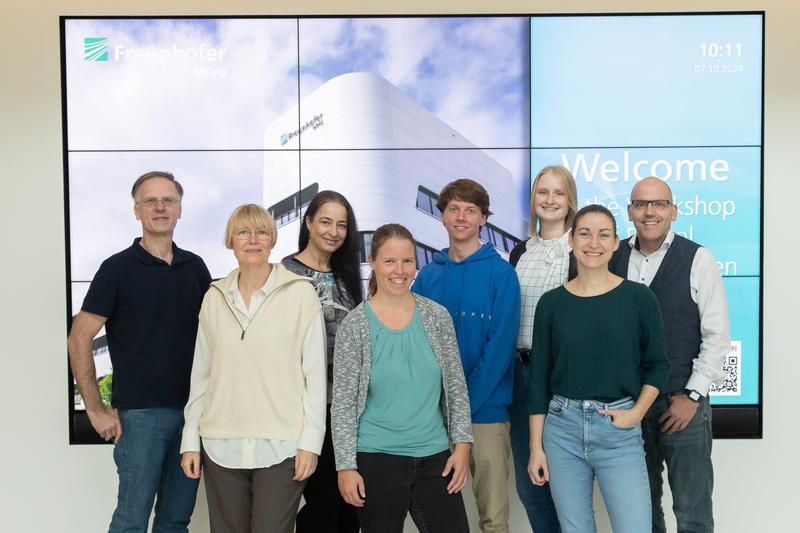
x=542, y=263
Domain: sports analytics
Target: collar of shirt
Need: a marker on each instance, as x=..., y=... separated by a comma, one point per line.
x=555, y=247
x=255, y=299
x=178, y=255
x=634, y=243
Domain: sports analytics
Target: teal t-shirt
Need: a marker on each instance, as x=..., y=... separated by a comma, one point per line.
x=402, y=414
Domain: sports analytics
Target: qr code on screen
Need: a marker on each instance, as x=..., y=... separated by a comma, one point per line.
x=732, y=386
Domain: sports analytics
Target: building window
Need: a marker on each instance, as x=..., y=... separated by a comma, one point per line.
x=366, y=245
x=291, y=207
x=502, y=240
x=426, y=201
x=424, y=255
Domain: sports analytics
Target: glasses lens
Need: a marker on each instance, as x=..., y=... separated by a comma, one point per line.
x=244, y=234
x=642, y=204
x=167, y=202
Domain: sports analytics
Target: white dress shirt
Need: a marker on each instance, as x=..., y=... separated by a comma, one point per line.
x=257, y=453
x=708, y=293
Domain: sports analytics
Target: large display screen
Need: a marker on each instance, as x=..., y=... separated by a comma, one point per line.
x=387, y=110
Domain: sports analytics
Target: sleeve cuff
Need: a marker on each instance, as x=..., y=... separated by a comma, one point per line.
x=190, y=441
x=311, y=440
x=699, y=383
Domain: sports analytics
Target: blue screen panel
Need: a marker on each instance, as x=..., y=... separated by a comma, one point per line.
x=646, y=80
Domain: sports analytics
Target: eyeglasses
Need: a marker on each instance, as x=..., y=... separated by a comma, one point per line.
x=245, y=234
x=658, y=204
x=168, y=201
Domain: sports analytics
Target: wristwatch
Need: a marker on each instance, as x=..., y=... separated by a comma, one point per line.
x=693, y=395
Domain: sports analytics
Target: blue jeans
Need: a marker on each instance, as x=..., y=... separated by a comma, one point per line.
x=536, y=500
x=687, y=455
x=581, y=444
x=149, y=468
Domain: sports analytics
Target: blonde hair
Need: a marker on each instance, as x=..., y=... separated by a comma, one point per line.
x=568, y=182
x=250, y=215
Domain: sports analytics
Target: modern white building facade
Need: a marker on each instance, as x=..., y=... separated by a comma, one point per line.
x=360, y=135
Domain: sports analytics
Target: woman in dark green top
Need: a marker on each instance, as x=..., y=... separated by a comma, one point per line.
x=599, y=359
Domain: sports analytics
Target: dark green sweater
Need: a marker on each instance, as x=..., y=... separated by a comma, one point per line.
x=597, y=347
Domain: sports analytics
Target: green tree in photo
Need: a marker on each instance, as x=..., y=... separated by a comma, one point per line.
x=104, y=384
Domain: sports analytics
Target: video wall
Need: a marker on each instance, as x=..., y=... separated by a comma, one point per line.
x=387, y=110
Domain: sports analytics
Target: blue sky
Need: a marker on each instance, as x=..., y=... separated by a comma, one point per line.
x=472, y=72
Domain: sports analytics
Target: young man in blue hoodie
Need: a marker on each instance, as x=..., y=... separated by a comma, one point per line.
x=481, y=291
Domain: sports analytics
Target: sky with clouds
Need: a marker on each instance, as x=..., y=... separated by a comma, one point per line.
x=204, y=119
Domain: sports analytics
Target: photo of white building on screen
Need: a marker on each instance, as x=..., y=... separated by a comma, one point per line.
x=361, y=136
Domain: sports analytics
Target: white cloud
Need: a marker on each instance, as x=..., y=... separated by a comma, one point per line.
x=180, y=104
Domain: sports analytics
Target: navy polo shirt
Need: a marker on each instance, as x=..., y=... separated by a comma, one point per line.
x=151, y=309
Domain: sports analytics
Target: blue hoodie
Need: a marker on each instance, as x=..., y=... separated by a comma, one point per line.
x=482, y=294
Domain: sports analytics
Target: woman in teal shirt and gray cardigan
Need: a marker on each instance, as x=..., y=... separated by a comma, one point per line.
x=399, y=401
x=599, y=359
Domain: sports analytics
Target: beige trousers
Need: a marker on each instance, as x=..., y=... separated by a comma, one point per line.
x=489, y=463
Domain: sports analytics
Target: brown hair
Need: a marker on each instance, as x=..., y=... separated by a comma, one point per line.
x=465, y=190
x=593, y=208
x=381, y=235
x=156, y=174
x=568, y=182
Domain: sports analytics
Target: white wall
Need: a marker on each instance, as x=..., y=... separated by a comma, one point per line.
x=48, y=486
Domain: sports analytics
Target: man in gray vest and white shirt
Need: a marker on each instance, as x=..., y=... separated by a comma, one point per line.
x=685, y=278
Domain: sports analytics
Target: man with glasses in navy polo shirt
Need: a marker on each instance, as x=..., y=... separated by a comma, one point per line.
x=148, y=297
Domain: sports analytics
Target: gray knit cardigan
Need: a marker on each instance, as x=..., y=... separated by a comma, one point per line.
x=352, y=362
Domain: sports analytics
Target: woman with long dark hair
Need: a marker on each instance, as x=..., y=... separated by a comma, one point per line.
x=329, y=255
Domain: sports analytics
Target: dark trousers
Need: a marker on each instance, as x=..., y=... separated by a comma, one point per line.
x=258, y=500
x=687, y=455
x=325, y=511
x=537, y=500
x=396, y=485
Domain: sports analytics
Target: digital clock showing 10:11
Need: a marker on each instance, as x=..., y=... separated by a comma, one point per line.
x=720, y=50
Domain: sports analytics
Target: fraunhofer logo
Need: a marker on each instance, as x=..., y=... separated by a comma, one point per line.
x=95, y=48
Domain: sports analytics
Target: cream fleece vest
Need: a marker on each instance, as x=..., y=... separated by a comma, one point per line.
x=256, y=385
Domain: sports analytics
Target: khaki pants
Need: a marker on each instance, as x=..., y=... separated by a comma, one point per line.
x=489, y=465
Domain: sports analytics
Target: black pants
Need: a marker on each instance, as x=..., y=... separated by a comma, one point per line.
x=325, y=511
x=397, y=484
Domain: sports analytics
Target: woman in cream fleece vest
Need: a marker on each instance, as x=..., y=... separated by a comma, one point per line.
x=255, y=419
